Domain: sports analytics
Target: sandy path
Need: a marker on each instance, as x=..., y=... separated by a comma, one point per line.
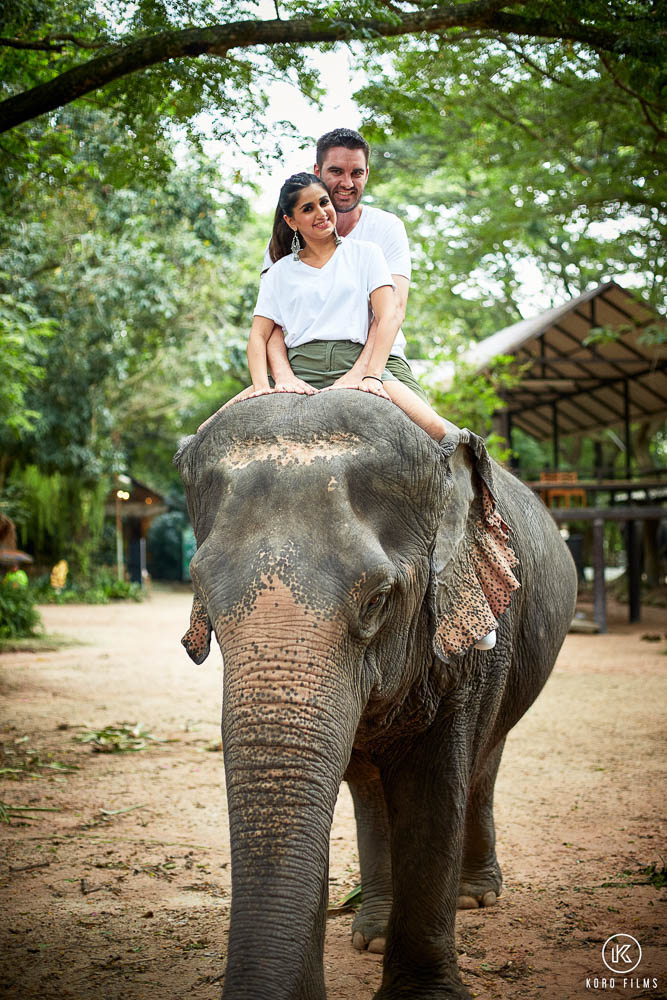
x=134, y=905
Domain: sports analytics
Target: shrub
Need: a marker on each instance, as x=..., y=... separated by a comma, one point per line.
x=19, y=617
x=104, y=587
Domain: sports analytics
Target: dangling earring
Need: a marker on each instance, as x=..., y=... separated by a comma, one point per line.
x=337, y=239
x=296, y=245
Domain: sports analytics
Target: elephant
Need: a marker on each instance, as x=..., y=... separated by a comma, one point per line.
x=347, y=564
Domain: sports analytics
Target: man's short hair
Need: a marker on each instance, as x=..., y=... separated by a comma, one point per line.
x=345, y=137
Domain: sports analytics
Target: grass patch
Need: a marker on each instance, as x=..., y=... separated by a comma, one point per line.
x=8, y=812
x=39, y=644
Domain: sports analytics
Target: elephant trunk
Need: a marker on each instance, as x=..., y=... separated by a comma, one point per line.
x=288, y=727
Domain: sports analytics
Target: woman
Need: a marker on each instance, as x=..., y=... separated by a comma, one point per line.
x=319, y=291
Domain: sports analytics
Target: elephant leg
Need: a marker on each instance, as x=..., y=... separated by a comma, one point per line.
x=369, y=928
x=481, y=878
x=426, y=800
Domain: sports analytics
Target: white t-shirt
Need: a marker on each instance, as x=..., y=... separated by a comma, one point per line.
x=389, y=233
x=325, y=303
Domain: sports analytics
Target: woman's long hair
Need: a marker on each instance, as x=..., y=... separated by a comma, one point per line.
x=282, y=236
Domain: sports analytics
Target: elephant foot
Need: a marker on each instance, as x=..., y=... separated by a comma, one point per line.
x=453, y=989
x=479, y=889
x=369, y=929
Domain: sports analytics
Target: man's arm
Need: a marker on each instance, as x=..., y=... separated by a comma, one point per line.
x=360, y=366
x=402, y=291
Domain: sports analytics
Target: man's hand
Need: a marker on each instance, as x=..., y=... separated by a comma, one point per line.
x=293, y=384
x=350, y=380
x=370, y=385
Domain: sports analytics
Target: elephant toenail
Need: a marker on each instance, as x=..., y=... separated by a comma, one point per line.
x=359, y=941
x=489, y=898
x=376, y=946
x=467, y=903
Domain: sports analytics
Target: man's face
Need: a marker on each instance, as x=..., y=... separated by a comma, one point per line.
x=344, y=171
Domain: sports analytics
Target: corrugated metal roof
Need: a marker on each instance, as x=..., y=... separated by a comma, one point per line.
x=588, y=383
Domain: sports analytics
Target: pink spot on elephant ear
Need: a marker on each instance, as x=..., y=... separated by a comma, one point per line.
x=479, y=586
x=197, y=639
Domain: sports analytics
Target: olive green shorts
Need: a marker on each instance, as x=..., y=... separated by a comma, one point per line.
x=321, y=362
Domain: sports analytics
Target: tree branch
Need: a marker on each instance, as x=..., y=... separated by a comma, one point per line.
x=37, y=46
x=51, y=43
x=542, y=140
x=533, y=65
x=217, y=40
x=633, y=93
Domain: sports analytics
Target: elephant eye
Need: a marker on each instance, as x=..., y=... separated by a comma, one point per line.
x=375, y=602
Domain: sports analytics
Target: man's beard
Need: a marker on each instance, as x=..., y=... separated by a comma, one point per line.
x=343, y=210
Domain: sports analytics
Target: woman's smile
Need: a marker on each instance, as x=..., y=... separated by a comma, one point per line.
x=314, y=212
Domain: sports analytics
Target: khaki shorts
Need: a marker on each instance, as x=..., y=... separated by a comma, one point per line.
x=321, y=362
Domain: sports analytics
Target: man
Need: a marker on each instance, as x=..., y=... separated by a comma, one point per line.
x=342, y=163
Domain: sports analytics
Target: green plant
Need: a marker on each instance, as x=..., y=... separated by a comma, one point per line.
x=122, y=737
x=474, y=399
x=18, y=615
x=100, y=589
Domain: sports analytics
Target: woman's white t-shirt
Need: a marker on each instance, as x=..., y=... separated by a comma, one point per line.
x=326, y=303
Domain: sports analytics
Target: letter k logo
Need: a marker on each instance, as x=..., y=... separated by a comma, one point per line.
x=621, y=953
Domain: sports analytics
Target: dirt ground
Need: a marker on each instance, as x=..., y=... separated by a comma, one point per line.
x=115, y=881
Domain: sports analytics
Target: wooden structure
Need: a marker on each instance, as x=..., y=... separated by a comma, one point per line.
x=133, y=505
x=590, y=364
x=561, y=486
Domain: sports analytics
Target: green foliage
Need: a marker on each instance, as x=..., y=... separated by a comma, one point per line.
x=101, y=588
x=516, y=162
x=22, y=333
x=165, y=545
x=130, y=277
x=122, y=738
x=656, y=875
x=64, y=515
x=18, y=615
x=474, y=399
x=128, y=263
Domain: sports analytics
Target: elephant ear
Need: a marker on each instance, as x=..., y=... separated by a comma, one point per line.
x=472, y=558
x=197, y=639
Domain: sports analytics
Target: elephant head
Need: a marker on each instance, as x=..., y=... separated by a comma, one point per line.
x=342, y=556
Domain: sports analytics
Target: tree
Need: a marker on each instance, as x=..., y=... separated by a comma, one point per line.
x=129, y=280
x=512, y=159
x=185, y=53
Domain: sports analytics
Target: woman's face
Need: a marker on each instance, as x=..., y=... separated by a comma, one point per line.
x=313, y=214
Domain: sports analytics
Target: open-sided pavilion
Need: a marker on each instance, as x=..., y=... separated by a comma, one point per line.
x=596, y=362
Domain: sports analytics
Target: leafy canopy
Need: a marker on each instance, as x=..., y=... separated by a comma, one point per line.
x=511, y=160
x=179, y=58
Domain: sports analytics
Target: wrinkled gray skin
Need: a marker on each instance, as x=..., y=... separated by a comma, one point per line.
x=316, y=520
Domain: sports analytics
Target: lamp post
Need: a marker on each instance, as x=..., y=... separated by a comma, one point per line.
x=122, y=494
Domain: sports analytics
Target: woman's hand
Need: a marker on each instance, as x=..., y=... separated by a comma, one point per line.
x=250, y=392
x=246, y=393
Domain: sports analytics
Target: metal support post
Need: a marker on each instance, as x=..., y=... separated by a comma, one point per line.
x=599, y=591
x=634, y=550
